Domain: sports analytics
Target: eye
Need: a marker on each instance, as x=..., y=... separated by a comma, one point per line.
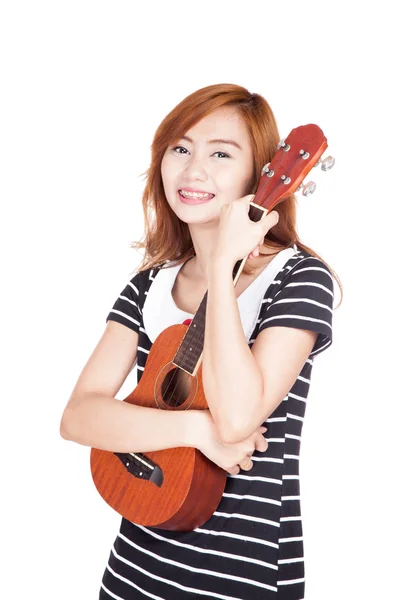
x=224, y=153
x=176, y=148
x=179, y=148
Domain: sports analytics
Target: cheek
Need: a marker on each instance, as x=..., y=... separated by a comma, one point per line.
x=234, y=183
x=169, y=172
x=245, y=181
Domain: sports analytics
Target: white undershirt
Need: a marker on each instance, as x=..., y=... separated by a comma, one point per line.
x=160, y=310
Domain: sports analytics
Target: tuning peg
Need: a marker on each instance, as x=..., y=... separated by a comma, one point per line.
x=285, y=147
x=308, y=188
x=304, y=155
x=326, y=164
x=269, y=172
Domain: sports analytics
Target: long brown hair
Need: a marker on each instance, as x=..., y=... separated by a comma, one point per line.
x=166, y=237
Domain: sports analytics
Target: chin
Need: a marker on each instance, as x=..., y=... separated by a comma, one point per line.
x=196, y=213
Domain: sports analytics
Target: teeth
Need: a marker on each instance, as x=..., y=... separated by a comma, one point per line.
x=187, y=194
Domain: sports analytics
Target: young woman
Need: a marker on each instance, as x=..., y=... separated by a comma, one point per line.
x=261, y=338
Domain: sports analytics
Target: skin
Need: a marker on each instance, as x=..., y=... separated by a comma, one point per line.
x=221, y=169
x=220, y=228
x=222, y=233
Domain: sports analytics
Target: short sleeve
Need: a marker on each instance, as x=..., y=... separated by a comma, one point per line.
x=126, y=309
x=305, y=301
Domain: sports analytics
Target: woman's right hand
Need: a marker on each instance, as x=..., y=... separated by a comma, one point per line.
x=228, y=456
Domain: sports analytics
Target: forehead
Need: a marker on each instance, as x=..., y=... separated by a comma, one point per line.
x=221, y=123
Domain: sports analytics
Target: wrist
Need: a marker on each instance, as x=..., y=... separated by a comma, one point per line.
x=194, y=428
x=221, y=262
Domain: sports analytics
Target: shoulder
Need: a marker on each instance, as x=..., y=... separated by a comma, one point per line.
x=301, y=297
x=304, y=268
x=304, y=285
x=144, y=277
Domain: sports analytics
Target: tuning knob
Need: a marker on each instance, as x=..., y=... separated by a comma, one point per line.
x=326, y=164
x=308, y=188
x=304, y=154
x=269, y=172
x=282, y=144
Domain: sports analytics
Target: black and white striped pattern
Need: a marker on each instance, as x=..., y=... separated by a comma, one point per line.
x=252, y=547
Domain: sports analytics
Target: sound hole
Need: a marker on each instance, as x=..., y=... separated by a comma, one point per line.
x=176, y=387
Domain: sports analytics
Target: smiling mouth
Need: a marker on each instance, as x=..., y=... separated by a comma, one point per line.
x=195, y=197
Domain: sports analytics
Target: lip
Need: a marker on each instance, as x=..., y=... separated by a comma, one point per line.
x=190, y=189
x=194, y=200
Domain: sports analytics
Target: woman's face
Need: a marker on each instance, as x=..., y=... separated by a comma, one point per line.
x=204, y=161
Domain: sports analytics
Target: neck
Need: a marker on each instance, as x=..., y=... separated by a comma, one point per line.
x=198, y=264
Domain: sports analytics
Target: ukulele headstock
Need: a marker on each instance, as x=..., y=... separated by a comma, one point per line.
x=294, y=159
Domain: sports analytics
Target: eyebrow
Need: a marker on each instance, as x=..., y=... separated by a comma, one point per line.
x=231, y=142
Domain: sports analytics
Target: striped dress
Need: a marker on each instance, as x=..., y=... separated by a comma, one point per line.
x=252, y=546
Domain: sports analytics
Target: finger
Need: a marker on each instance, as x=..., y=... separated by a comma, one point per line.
x=266, y=223
x=248, y=466
x=261, y=444
x=246, y=199
x=254, y=253
x=269, y=221
x=233, y=470
x=273, y=217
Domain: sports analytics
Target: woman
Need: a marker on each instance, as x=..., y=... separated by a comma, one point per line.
x=260, y=342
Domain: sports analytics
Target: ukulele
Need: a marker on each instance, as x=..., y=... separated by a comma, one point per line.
x=180, y=488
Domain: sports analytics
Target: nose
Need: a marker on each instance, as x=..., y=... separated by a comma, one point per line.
x=195, y=169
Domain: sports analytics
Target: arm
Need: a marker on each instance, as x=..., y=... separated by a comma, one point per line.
x=244, y=386
x=94, y=417
x=232, y=380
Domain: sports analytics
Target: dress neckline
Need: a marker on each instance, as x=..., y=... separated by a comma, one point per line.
x=160, y=310
x=243, y=294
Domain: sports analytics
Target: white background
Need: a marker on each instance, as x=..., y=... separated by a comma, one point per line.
x=84, y=86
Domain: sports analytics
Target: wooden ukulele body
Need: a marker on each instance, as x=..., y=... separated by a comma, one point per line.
x=192, y=485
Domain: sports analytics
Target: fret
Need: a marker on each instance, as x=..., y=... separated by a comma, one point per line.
x=189, y=352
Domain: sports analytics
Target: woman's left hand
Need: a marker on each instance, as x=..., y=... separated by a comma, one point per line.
x=238, y=236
